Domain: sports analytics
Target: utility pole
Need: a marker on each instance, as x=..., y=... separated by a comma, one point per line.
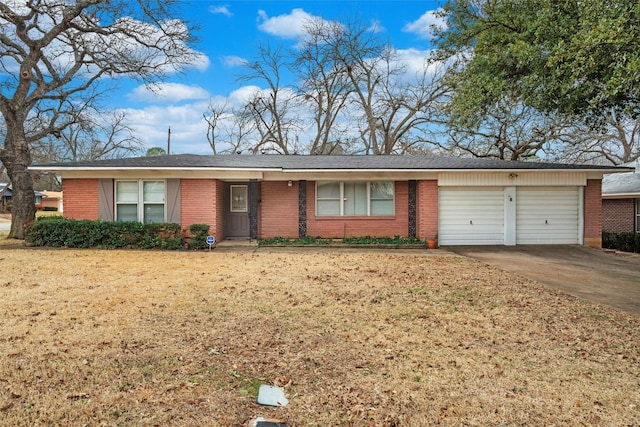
x=169, y=141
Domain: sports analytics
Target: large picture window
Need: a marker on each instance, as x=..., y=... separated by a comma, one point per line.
x=355, y=198
x=140, y=200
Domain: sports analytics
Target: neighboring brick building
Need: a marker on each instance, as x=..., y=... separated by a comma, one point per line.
x=456, y=201
x=621, y=201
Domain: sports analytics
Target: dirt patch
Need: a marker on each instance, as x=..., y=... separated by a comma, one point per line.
x=384, y=338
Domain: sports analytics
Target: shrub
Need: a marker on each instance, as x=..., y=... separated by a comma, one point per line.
x=59, y=232
x=199, y=233
x=626, y=242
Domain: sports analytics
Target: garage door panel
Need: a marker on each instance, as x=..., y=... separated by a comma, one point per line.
x=471, y=217
x=548, y=216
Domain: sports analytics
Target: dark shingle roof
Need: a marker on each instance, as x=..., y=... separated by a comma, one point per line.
x=306, y=162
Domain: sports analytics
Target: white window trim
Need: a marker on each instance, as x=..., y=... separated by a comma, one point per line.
x=341, y=199
x=140, y=210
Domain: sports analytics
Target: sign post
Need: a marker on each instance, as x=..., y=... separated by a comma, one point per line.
x=211, y=240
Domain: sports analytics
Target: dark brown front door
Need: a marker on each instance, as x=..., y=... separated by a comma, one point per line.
x=238, y=214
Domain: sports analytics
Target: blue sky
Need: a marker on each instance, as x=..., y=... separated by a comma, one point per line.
x=229, y=34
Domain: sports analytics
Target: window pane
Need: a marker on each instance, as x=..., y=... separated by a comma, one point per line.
x=127, y=191
x=153, y=191
x=328, y=207
x=239, y=197
x=382, y=207
x=153, y=213
x=328, y=190
x=127, y=213
x=382, y=190
x=355, y=198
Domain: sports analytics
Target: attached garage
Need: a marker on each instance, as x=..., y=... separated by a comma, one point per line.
x=508, y=215
x=548, y=215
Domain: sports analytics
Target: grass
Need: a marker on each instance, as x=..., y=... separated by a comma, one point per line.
x=354, y=337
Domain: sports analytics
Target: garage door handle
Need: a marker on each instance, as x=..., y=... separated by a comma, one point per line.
x=546, y=221
x=471, y=222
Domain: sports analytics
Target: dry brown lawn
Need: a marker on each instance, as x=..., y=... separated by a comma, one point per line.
x=354, y=337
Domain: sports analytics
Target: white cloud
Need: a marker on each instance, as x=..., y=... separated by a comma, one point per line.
x=376, y=27
x=424, y=25
x=288, y=26
x=188, y=128
x=168, y=92
x=221, y=10
x=234, y=61
x=415, y=60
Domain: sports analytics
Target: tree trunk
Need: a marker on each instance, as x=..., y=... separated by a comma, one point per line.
x=16, y=157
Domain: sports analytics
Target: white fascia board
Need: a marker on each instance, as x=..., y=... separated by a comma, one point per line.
x=621, y=195
x=172, y=168
x=599, y=171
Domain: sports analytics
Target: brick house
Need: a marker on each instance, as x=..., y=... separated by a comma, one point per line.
x=621, y=201
x=458, y=201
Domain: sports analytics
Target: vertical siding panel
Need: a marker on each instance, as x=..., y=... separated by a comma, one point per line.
x=173, y=201
x=105, y=200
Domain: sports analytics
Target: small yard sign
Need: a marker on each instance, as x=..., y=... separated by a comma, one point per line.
x=210, y=241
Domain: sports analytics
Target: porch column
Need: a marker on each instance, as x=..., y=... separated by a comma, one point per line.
x=302, y=208
x=253, y=209
x=412, y=207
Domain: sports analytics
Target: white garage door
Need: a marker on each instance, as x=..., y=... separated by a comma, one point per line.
x=549, y=215
x=471, y=216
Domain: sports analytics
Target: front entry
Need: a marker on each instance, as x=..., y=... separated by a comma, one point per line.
x=237, y=224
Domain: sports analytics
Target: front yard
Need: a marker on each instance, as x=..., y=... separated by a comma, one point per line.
x=354, y=338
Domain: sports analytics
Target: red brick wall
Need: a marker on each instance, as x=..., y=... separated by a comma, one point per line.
x=279, y=209
x=339, y=227
x=80, y=198
x=618, y=215
x=593, y=213
x=202, y=202
x=427, y=209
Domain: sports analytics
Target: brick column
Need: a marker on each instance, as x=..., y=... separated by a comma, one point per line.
x=427, y=209
x=593, y=213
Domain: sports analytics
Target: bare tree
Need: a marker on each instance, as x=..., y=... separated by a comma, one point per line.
x=616, y=143
x=212, y=117
x=509, y=131
x=388, y=103
x=91, y=135
x=272, y=108
x=324, y=89
x=54, y=51
x=229, y=130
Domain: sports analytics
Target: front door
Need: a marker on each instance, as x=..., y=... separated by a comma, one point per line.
x=238, y=215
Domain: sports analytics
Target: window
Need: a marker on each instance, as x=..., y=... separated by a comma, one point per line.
x=141, y=201
x=239, y=198
x=357, y=198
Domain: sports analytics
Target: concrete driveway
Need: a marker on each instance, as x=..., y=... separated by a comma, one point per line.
x=610, y=278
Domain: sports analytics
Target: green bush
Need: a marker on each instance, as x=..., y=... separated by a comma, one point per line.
x=199, y=233
x=63, y=232
x=364, y=240
x=626, y=242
